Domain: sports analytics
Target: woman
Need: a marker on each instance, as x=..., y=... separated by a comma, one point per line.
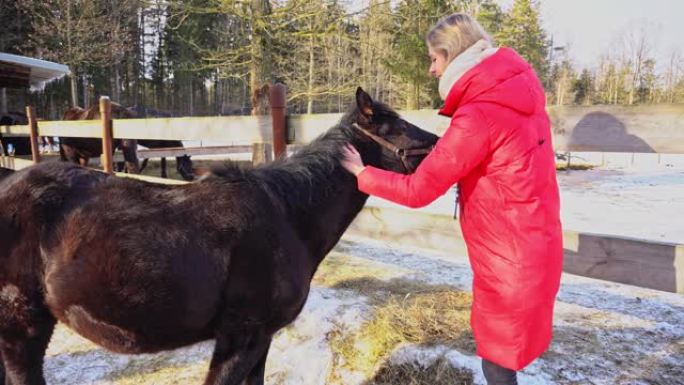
x=498, y=149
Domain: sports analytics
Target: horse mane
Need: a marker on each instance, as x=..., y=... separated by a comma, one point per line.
x=301, y=180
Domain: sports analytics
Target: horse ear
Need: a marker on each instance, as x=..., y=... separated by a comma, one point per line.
x=364, y=102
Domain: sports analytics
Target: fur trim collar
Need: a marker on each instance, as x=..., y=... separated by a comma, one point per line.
x=462, y=63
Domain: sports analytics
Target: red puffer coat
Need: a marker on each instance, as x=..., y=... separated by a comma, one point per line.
x=498, y=149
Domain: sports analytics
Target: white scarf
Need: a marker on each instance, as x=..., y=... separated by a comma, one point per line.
x=466, y=60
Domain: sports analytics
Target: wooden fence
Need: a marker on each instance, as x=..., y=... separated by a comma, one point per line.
x=598, y=128
x=263, y=136
x=643, y=129
x=645, y=263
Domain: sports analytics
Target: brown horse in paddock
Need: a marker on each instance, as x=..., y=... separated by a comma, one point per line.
x=138, y=267
x=80, y=150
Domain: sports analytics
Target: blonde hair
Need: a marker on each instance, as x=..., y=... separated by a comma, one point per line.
x=453, y=34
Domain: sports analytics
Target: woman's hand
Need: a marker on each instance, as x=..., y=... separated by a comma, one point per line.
x=352, y=160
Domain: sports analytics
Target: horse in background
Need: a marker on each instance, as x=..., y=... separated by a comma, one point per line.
x=21, y=144
x=80, y=150
x=183, y=163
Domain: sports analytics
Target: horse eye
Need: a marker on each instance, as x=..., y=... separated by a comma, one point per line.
x=384, y=129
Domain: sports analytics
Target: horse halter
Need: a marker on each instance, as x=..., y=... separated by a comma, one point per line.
x=401, y=153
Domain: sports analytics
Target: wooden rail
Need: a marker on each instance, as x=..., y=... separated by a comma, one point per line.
x=658, y=129
x=270, y=134
x=645, y=263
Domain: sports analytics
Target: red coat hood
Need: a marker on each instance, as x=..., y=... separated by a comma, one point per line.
x=502, y=79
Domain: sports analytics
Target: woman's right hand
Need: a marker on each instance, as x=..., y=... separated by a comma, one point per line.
x=352, y=160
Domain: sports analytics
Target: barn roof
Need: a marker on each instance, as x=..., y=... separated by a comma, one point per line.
x=23, y=72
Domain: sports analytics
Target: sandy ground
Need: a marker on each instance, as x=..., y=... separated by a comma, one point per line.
x=605, y=333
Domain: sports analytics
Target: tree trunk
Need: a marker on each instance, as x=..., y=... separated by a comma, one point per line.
x=52, y=113
x=260, y=64
x=309, y=96
x=413, y=96
x=73, y=80
x=116, y=87
x=191, y=93
x=3, y=100
x=86, y=94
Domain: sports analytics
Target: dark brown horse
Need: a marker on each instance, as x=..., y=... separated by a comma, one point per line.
x=80, y=150
x=138, y=267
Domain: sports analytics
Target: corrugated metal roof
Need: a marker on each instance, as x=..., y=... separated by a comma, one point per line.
x=21, y=71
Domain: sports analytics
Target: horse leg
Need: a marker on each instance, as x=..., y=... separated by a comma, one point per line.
x=163, y=168
x=235, y=355
x=23, y=347
x=2, y=372
x=184, y=167
x=143, y=164
x=256, y=376
x=130, y=153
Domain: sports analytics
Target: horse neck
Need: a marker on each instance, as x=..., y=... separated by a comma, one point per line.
x=320, y=197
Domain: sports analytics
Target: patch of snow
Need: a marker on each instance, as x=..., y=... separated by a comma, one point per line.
x=426, y=356
x=300, y=353
x=636, y=203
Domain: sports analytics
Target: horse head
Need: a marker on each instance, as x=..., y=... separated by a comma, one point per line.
x=384, y=139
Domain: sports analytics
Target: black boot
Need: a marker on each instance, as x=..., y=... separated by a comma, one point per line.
x=498, y=375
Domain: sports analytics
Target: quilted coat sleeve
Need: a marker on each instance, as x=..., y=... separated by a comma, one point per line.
x=462, y=147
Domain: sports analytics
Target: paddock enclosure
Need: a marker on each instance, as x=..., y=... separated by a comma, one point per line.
x=377, y=311
x=602, y=133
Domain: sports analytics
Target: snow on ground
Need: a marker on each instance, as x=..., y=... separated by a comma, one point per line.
x=631, y=202
x=645, y=204
x=605, y=333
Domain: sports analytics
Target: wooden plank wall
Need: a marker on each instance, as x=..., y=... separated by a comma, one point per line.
x=596, y=128
x=650, y=264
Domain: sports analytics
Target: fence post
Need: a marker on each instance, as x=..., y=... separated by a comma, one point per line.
x=33, y=133
x=278, y=103
x=261, y=153
x=107, y=134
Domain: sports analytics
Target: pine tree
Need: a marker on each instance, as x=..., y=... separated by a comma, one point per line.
x=584, y=88
x=488, y=14
x=376, y=45
x=409, y=62
x=523, y=32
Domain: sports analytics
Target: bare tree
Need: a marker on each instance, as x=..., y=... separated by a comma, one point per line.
x=638, y=48
x=673, y=74
x=79, y=33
